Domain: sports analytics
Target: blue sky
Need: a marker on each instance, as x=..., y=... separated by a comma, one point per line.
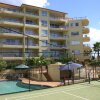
x=75, y=8
x=79, y=8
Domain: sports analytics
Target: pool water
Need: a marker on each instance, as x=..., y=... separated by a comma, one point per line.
x=17, y=86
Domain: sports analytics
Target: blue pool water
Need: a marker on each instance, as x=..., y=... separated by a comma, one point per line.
x=17, y=86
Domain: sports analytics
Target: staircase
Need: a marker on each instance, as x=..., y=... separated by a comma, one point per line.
x=47, y=76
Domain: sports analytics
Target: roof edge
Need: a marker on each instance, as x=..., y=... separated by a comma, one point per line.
x=32, y=6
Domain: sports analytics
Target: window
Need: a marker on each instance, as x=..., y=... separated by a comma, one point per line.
x=44, y=43
x=43, y=22
x=29, y=22
x=30, y=32
x=29, y=12
x=10, y=40
x=45, y=53
x=72, y=24
x=44, y=13
x=55, y=53
x=75, y=42
x=14, y=10
x=44, y=33
x=76, y=24
x=76, y=51
x=74, y=33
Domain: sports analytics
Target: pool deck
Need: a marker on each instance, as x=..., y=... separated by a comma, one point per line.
x=51, y=84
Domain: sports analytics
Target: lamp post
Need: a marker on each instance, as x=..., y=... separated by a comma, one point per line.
x=28, y=55
x=73, y=52
x=68, y=71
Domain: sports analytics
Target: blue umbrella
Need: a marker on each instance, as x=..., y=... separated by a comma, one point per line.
x=70, y=66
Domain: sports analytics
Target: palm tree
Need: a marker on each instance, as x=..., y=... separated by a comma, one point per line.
x=42, y=61
x=65, y=59
x=38, y=62
x=97, y=48
x=94, y=64
x=3, y=65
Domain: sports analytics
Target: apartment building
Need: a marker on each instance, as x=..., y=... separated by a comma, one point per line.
x=40, y=31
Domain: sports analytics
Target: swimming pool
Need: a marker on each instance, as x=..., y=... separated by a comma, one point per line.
x=17, y=86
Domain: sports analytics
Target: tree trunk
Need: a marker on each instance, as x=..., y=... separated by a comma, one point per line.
x=85, y=71
x=93, y=72
x=41, y=73
x=98, y=54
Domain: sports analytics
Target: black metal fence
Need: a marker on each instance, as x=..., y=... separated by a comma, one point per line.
x=13, y=76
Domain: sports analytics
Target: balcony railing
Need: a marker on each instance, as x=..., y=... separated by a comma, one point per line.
x=52, y=36
x=32, y=14
x=10, y=22
x=13, y=43
x=34, y=34
x=56, y=18
x=61, y=46
x=32, y=44
x=11, y=54
x=18, y=11
x=86, y=45
x=64, y=27
x=11, y=32
x=31, y=23
x=10, y=10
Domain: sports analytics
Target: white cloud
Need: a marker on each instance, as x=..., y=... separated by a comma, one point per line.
x=94, y=36
x=39, y=3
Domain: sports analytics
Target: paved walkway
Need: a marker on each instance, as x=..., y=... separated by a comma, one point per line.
x=52, y=84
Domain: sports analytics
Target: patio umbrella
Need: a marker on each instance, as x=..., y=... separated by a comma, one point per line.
x=22, y=66
x=70, y=66
x=21, y=69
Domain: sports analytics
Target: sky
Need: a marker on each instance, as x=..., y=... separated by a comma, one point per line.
x=74, y=8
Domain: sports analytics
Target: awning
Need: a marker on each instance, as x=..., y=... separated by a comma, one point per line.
x=70, y=66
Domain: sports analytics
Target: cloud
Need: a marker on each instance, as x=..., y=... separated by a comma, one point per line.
x=94, y=36
x=39, y=3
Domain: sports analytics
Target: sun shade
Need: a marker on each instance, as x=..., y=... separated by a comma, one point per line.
x=22, y=66
x=70, y=66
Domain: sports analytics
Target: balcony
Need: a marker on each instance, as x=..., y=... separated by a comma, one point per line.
x=86, y=39
x=36, y=36
x=59, y=28
x=86, y=47
x=12, y=58
x=32, y=26
x=11, y=45
x=11, y=23
x=32, y=46
x=13, y=35
x=57, y=19
x=85, y=30
x=17, y=13
x=57, y=37
x=10, y=55
x=32, y=15
x=60, y=47
x=85, y=22
x=12, y=12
